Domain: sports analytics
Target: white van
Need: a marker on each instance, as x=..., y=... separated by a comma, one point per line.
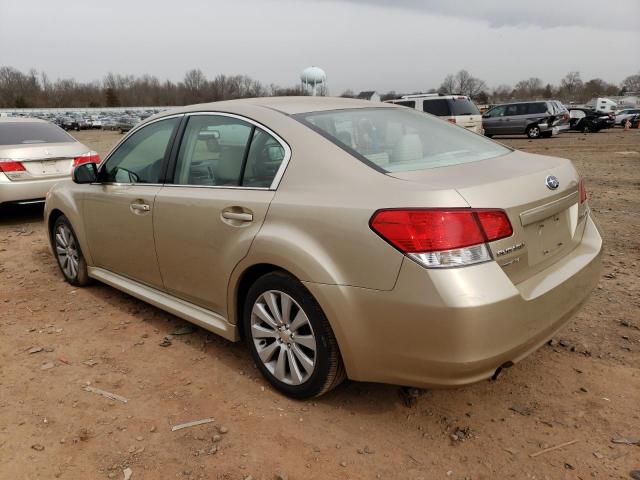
x=602, y=105
x=458, y=109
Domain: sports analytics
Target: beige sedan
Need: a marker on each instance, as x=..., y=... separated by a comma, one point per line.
x=336, y=237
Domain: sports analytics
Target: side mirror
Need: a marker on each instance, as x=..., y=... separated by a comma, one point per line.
x=85, y=173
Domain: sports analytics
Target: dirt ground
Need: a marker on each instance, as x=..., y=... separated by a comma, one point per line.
x=585, y=387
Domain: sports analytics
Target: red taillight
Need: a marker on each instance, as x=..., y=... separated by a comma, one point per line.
x=421, y=231
x=7, y=167
x=89, y=157
x=451, y=120
x=583, y=191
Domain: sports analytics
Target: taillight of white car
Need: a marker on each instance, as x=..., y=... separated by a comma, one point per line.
x=440, y=238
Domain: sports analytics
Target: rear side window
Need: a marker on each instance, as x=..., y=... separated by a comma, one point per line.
x=439, y=107
x=218, y=151
x=539, y=107
x=28, y=133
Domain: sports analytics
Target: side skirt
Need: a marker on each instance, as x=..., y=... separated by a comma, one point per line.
x=200, y=316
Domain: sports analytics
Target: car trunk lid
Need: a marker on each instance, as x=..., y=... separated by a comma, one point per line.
x=547, y=223
x=42, y=161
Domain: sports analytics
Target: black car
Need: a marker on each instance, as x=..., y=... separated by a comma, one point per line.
x=587, y=120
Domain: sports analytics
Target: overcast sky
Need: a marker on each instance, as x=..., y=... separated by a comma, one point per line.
x=405, y=45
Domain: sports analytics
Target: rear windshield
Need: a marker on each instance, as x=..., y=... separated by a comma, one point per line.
x=399, y=139
x=26, y=133
x=446, y=107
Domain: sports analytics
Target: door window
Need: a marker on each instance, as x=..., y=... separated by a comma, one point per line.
x=439, y=108
x=217, y=151
x=407, y=103
x=264, y=159
x=496, y=111
x=140, y=158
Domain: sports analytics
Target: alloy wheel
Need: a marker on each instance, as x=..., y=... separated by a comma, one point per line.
x=67, y=251
x=283, y=337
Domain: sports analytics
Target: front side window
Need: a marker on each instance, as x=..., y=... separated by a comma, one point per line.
x=498, y=111
x=398, y=139
x=141, y=156
x=219, y=151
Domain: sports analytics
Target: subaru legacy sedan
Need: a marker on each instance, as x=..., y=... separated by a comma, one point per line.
x=336, y=238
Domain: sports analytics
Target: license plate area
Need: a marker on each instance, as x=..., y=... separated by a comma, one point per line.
x=549, y=236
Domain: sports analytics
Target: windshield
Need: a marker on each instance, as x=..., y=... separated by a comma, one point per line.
x=26, y=133
x=401, y=139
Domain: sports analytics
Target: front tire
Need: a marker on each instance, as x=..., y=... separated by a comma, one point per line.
x=290, y=338
x=68, y=254
x=533, y=131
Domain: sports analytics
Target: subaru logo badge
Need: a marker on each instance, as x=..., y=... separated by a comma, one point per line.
x=552, y=182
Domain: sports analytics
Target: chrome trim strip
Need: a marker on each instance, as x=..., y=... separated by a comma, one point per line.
x=193, y=313
x=228, y=187
x=545, y=211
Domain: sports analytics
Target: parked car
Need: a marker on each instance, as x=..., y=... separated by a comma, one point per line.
x=126, y=123
x=69, y=123
x=34, y=156
x=586, y=120
x=534, y=119
x=367, y=241
x=622, y=116
x=458, y=109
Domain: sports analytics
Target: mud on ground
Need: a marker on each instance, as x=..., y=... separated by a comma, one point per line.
x=586, y=387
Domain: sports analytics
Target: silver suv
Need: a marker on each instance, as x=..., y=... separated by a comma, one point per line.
x=534, y=119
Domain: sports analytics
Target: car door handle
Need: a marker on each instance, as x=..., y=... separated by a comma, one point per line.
x=240, y=216
x=140, y=207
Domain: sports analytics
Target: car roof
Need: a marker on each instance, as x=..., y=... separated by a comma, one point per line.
x=21, y=119
x=286, y=105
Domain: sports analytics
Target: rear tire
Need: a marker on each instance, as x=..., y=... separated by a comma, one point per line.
x=68, y=254
x=488, y=135
x=547, y=134
x=533, y=131
x=290, y=338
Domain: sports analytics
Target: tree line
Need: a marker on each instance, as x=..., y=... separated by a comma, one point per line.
x=34, y=89
x=571, y=89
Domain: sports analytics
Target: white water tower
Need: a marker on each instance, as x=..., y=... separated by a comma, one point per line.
x=311, y=77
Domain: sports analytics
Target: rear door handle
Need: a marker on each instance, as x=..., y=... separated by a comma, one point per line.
x=240, y=216
x=140, y=207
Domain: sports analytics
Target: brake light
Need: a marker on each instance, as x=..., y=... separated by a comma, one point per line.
x=451, y=120
x=10, y=167
x=583, y=191
x=442, y=238
x=89, y=157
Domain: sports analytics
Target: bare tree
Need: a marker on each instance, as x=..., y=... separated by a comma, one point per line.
x=631, y=83
x=463, y=83
x=571, y=86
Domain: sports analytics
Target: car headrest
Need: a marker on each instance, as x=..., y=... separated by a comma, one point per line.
x=408, y=149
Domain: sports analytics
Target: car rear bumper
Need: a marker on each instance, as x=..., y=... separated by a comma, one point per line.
x=26, y=190
x=452, y=327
